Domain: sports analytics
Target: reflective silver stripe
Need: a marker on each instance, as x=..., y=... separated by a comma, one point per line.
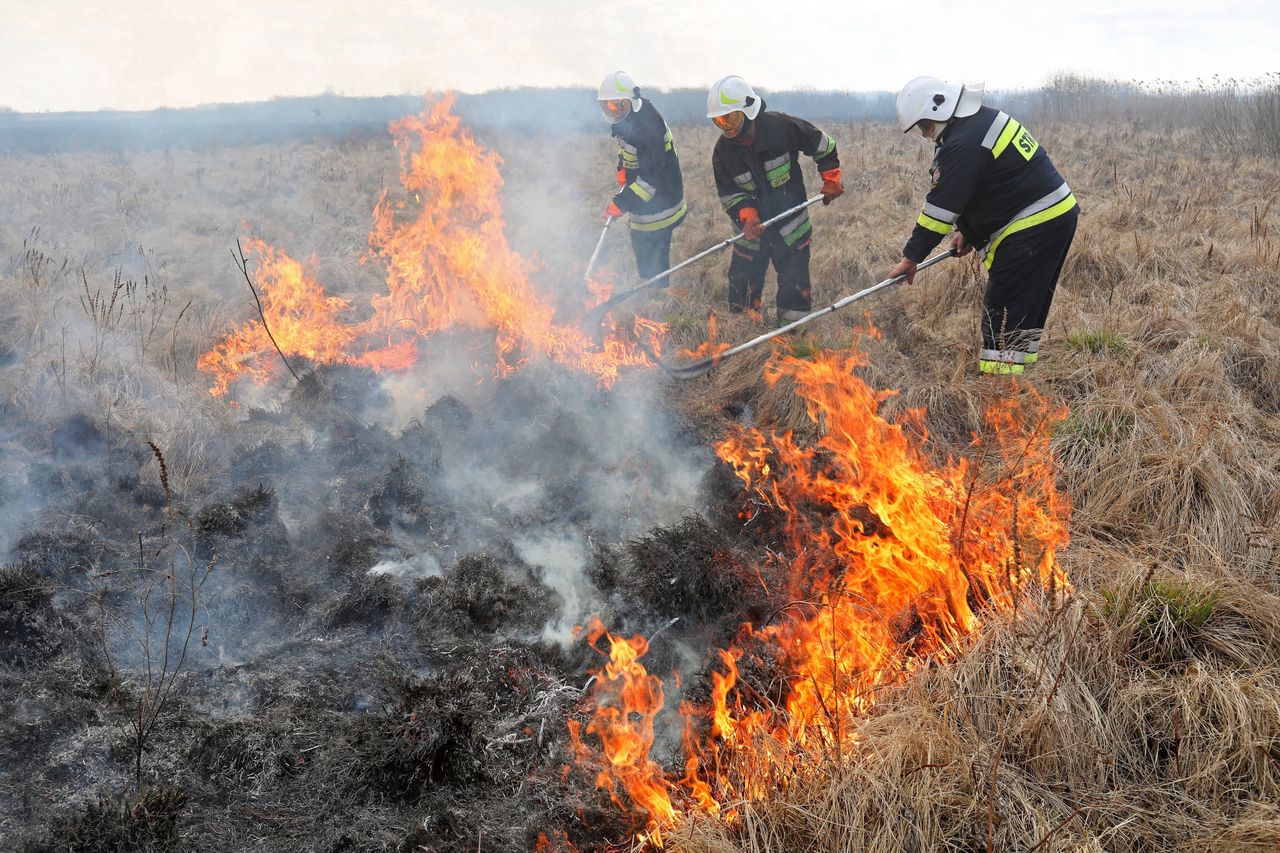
x=993, y=132
x=657, y=217
x=825, y=147
x=631, y=149
x=776, y=161
x=800, y=220
x=744, y=178
x=1033, y=342
x=940, y=213
x=646, y=186
x=1030, y=210
x=728, y=201
x=1007, y=356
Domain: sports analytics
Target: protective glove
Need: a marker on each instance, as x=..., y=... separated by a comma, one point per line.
x=613, y=210
x=622, y=178
x=750, y=219
x=832, y=189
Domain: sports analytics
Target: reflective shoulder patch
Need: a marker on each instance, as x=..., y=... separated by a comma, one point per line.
x=993, y=132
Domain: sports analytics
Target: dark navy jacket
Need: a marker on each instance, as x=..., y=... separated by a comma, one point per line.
x=990, y=178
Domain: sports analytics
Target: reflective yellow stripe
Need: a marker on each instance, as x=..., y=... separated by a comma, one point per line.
x=926, y=221
x=1005, y=138
x=999, y=367
x=665, y=222
x=796, y=229
x=644, y=194
x=1031, y=358
x=1023, y=224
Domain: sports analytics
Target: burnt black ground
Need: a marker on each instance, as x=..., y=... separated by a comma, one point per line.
x=322, y=706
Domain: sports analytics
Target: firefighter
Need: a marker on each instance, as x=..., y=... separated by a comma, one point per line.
x=994, y=184
x=757, y=171
x=650, y=187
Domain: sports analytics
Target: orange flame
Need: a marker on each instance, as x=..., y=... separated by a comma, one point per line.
x=304, y=321
x=711, y=346
x=448, y=265
x=625, y=728
x=892, y=561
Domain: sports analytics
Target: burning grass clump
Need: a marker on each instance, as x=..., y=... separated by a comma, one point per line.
x=64, y=555
x=247, y=507
x=335, y=391
x=370, y=601
x=448, y=416
x=354, y=543
x=76, y=438
x=396, y=496
x=429, y=739
x=690, y=570
x=149, y=822
x=29, y=627
x=479, y=596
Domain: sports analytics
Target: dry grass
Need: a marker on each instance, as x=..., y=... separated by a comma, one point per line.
x=1146, y=715
x=1143, y=715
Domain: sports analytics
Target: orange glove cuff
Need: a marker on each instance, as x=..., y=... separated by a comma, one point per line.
x=622, y=177
x=831, y=175
x=748, y=214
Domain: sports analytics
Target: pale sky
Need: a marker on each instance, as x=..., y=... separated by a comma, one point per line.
x=129, y=54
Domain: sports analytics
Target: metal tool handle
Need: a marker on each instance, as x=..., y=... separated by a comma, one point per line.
x=698, y=368
x=586, y=276
x=596, y=316
x=724, y=244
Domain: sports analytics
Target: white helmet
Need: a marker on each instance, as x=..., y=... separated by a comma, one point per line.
x=931, y=99
x=732, y=93
x=618, y=85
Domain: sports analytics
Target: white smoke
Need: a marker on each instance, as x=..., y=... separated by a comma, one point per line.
x=560, y=558
x=414, y=567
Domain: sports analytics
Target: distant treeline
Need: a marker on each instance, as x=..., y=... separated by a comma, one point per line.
x=328, y=116
x=1227, y=109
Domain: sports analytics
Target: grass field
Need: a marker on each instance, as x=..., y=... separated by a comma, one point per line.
x=1141, y=713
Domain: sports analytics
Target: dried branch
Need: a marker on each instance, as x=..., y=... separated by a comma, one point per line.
x=243, y=263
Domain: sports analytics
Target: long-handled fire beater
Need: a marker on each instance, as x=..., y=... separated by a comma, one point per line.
x=591, y=264
x=694, y=369
x=596, y=316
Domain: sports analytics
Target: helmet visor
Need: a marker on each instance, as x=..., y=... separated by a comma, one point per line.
x=730, y=124
x=616, y=110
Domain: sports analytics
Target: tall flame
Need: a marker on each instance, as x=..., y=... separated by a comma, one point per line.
x=448, y=265
x=892, y=560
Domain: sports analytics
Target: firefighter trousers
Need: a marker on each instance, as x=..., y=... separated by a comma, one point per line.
x=747, y=268
x=1020, y=287
x=653, y=252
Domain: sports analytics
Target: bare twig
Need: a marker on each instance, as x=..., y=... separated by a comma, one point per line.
x=1053, y=832
x=173, y=345
x=243, y=263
